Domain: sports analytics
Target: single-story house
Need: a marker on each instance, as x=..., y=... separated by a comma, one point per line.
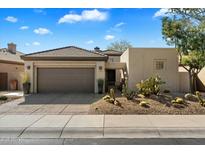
x=11, y=68
x=74, y=69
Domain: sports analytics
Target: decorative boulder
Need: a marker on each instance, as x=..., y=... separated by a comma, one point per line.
x=191, y=97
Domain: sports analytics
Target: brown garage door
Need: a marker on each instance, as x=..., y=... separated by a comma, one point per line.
x=66, y=80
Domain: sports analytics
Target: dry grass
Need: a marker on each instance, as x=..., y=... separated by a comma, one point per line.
x=157, y=106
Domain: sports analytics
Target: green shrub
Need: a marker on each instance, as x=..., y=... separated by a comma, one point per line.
x=3, y=98
x=144, y=104
x=191, y=97
x=126, y=92
x=150, y=86
x=200, y=99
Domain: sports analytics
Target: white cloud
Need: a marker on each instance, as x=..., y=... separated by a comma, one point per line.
x=161, y=13
x=42, y=31
x=109, y=37
x=119, y=24
x=24, y=27
x=70, y=18
x=94, y=15
x=11, y=19
x=86, y=15
x=89, y=42
x=117, y=27
x=36, y=43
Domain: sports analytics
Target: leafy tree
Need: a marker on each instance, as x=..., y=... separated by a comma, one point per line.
x=194, y=13
x=121, y=45
x=194, y=62
x=185, y=29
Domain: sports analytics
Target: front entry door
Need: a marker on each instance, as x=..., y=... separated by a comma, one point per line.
x=110, y=78
x=3, y=81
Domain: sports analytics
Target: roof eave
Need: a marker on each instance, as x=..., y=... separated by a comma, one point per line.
x=11, y=62
x=65, y=58
x=112, y=54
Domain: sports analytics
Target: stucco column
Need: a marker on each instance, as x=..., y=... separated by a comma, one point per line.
x=99, y=74
x=29, y=70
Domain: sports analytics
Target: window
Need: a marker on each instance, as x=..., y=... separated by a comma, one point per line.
x=159, y=64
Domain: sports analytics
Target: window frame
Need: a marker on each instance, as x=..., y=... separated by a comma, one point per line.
x=164, y=61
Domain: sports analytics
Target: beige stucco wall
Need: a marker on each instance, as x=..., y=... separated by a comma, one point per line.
x=201, y=76
x=14, y=71
x=141, y=65
x=34, y=65
x=183, y=80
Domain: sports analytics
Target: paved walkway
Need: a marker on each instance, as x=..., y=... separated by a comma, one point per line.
x=102, y=126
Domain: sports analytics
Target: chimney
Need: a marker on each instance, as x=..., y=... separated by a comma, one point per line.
x=12, y=48
x=97, y=49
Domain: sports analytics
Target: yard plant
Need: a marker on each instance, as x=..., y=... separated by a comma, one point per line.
x=111, y=98
x=201, y=100
x=3, y=98
x=126, y=92
x=26, y=83
x=150, y=86
x=100, y=86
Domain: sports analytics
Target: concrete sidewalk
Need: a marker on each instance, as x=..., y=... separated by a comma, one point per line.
x=102, y=126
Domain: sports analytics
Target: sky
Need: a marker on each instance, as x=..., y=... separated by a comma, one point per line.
x=41, y=29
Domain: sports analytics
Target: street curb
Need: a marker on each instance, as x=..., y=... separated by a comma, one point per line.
x=99, y=132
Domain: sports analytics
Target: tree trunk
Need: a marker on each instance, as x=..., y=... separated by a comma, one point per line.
x=191, y=83
x=194, y=82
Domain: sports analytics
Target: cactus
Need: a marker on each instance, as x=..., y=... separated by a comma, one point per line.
x=200, y=99
x=112, y=93
x=126, y=92
x=178, y=100
x=111, y=98
x=106, y=97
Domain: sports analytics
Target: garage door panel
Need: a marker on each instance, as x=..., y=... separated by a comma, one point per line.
x=72, y=80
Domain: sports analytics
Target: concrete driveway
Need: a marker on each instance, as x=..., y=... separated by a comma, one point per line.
x=61, y=98
x=50, y=104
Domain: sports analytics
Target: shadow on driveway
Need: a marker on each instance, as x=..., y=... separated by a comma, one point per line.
x=61, y=99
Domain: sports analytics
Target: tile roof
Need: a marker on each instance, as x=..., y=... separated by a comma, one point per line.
x=112, y=52
x=65, y=53
x=7, y=56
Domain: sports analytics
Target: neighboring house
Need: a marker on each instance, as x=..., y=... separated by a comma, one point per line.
x=11, y=68
x=73, y=69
